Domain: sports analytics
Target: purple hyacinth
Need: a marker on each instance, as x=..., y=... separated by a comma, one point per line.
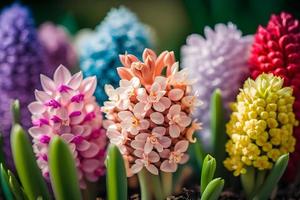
x=21, y=62
x=58, y=48
x=218, y=60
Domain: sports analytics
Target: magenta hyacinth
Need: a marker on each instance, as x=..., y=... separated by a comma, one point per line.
x=58, y=47
x=218, y=60
x=66, y=107
x=21, y=62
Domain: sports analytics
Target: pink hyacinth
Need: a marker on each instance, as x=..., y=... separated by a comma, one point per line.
x=149, y=115
x=68, y=108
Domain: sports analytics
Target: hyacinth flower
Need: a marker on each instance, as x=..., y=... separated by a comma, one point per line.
x=276, y=50
x=67, y=108
x=120, y=32
x=149, y=115
x=260, y=131
x=219, y=60
x=58, y=48
x=21, y=61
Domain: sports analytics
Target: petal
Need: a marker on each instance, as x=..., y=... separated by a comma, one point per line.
x=91, y=152
x=159, y=131
x=165, y=141
x=47, y=84
x=153, y=157
x=148, y=147
x=36, y=108
x=124, y=115
x=136, y=168
x=157, y=118
x=88, y=86
x=68, y=137
x=159, y=147
x=75, y=81
x=158, y=106
x=37, y=131
x=166, y=166
x=42, y=96
x=166, y=101
x=175, y=109
x=142, y=136
x=61, y=75
x=152, y=169
x=137, y=144
x=165, y=153
x=144, y=124
x=184, y=159
x=176, y=94
x=90, y=165
x=181, y=146
x=83, y=146
x=139, y=110
x=174, y=131
x=185, y=121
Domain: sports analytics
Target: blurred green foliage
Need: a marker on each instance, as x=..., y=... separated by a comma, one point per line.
x=172, y=20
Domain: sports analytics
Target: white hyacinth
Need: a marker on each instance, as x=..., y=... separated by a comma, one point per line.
x=218, y=60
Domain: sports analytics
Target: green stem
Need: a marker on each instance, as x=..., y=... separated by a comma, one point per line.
x=248, y=181
x=167, y=182
x=145, y=189
x=156, y=186
x=260, y=178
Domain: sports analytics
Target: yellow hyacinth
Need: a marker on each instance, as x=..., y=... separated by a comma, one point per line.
x=261, y=125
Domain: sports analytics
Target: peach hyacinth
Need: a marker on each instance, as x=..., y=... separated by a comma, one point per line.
x=67, y=108
x=149, y=117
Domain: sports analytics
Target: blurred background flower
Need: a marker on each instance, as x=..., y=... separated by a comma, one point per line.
x=58, y=46
x=118, y=33
x=218, y=60
x=21, y=62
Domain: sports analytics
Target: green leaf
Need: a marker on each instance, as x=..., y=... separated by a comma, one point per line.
x=15, y=109
x=273, y=178
x=2, y=157
x=213, y=189
x=116, y=178
x=218, y=130
x=208, y=171
x=199, y=152
x=16, y=187
x=63, y=171
x=25, y=162
x=5, y=183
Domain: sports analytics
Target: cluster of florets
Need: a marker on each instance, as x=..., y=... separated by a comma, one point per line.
x=67, y=108
x=149, y=115
x=261, y=125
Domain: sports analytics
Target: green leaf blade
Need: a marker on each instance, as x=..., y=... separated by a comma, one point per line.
x=116, y=178
x=208, y=171
x=218, y=130
x=4, y=183
x=63, y=171
x=25, y=162
x=213, y=189
x=273, y=178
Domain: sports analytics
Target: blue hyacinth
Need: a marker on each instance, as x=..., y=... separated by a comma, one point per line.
x=119, y=32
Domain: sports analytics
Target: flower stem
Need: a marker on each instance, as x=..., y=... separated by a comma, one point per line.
x=167, y=182
x=248, y=181
x=157, y=187
x=260, y=178
x=144, y=180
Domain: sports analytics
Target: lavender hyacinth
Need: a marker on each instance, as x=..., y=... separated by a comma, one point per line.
x=218, y=61
x=21, y=61
x=58, y=48
x=119, y=32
